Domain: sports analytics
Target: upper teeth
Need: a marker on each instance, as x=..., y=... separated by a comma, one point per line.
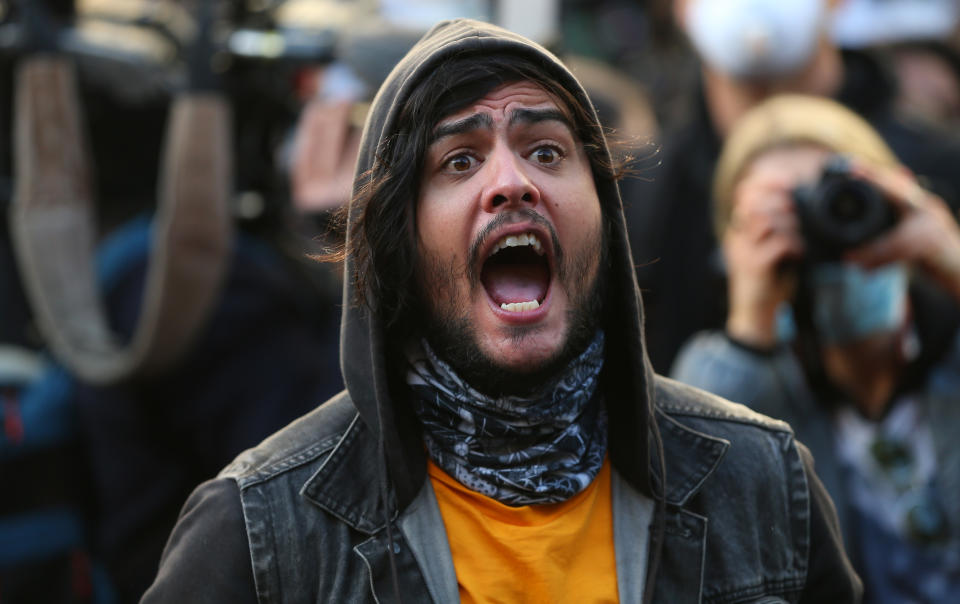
x=518, y=240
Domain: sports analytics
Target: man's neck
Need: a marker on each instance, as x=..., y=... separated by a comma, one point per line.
x=728, y=99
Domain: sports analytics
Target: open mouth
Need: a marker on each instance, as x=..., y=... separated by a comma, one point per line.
x=516, y=274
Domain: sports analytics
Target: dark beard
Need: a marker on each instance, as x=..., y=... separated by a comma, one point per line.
x=454, y=340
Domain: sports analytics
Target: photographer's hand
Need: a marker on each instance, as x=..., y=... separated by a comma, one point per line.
x=926, y=234
x=761, y=240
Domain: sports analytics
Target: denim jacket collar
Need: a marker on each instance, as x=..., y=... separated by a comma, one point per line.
x=347, y=484
x=311, y=499
x=691, y=457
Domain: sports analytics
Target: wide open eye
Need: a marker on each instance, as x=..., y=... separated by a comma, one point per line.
x=459, y=163
x=546, y=155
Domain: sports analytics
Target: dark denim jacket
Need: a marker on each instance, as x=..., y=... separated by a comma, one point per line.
x=746, y=519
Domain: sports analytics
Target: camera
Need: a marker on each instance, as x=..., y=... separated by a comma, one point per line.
x=840, y=212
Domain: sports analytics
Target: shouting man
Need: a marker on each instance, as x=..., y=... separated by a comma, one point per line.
x=502, y=437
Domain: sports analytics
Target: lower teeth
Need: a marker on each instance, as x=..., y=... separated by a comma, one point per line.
x=520, y=306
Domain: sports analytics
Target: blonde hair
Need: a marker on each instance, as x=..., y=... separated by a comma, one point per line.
x=791, y=119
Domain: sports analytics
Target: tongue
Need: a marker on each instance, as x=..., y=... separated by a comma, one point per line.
x=516, y=282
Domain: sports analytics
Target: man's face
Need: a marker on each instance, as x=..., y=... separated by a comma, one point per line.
x=509, y=233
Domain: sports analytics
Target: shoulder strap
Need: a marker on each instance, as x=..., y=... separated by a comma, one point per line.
x=54, y=233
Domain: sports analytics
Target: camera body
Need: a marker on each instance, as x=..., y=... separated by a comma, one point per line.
x=840, y=212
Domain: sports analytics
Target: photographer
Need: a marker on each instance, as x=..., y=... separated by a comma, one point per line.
x=844, y=276
x=751, y=50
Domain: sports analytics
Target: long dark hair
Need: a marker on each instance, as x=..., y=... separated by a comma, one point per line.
x=382, y=234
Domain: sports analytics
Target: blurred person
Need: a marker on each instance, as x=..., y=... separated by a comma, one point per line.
x=929, y=73
x=133, y=449
x=750, y=50
x=626, y=113
x=48, y=549
x=325, y=150
x=266, y=354
x=624, y=107
x=263, y=358
x=335, y=99
x=865, y=23
x=318, y=161
x=916, y=37
x=45, y=551
x=502, y=436
x=839, y=266
x=642, y=41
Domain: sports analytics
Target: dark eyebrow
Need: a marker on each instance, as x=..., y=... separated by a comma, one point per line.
x=483, y=120
x=535, y=116
x=474, y=122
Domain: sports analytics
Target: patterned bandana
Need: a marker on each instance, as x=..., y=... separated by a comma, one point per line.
x=541, y=448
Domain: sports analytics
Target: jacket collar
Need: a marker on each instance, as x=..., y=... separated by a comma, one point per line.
x=347, y=484
x=691, y=457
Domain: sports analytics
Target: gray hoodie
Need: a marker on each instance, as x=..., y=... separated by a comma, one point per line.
x=628, y=375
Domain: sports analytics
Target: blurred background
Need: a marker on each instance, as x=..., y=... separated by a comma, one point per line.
x=188, y=157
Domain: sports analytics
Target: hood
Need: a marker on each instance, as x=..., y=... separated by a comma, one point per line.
x=627, y=379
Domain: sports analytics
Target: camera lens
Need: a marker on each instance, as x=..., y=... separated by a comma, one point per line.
x=840, y=212
x=848, y=212
x=847, y=207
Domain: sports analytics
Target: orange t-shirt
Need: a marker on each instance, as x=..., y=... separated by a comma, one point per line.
x=561, y=552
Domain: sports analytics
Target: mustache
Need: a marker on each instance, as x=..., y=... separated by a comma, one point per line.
x=511, y=217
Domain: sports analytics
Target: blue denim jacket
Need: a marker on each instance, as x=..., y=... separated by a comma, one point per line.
x=746, y=520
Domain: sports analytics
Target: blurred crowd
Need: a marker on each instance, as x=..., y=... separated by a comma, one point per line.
x=171, y=174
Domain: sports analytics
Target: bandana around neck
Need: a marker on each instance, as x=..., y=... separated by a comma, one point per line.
x=520, y=450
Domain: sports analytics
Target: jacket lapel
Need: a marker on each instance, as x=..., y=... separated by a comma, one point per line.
x=348, y=486
x=691, y=457
x=348, y=483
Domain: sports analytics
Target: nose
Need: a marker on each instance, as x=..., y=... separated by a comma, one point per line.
x=509, y=186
